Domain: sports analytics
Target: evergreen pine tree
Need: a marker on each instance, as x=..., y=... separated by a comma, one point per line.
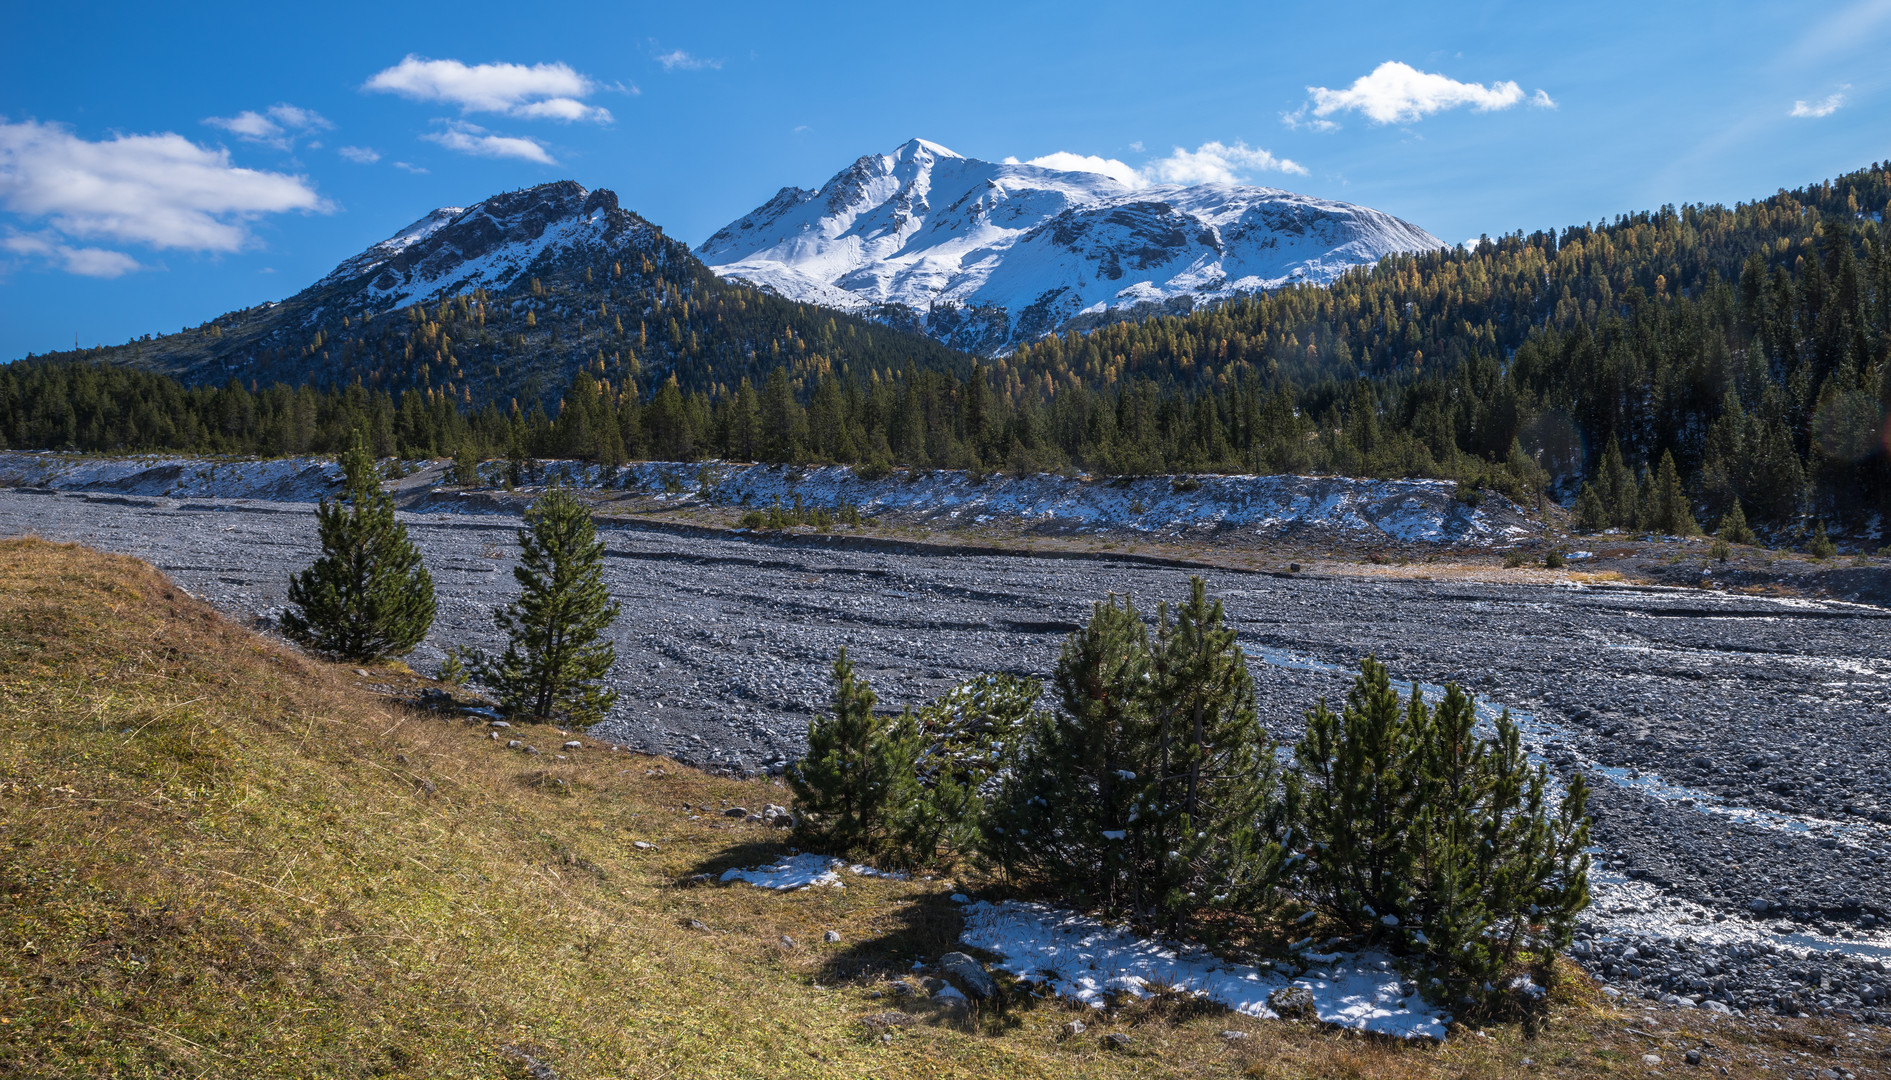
x=1821, y=546
x=367, y=596
x=1068, y=812
x=1215, y=770
x=1616, y=483
x=556, y=651
x=1733, y=526
x=1357, y=800
x=1591, y=514
x=1671, y=512
x=857, y=780
x=465, y=466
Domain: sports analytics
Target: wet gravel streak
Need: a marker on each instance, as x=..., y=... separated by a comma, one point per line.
x=1740, y=747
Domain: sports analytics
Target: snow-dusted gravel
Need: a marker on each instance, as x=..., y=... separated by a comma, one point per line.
x=1740, y=746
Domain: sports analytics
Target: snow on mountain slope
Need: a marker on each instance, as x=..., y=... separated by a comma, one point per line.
x=493, y=243
x=988, y=255
x=393, y=245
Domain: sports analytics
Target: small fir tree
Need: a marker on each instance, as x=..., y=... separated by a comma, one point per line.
x=1358, y=795
x=1215, y=769
x=1733, y=526
x=556, y=651
x=1068, y=810
x=1821, y=546
x=1591, y=514
x=465, y=467
x=367, y=596
x=1670, y=512
x=857, y=780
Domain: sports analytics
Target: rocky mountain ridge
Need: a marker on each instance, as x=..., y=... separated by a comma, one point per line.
x=986, y=256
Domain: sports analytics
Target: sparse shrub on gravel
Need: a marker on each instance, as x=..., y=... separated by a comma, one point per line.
x=1153, y=793
x=1422, y=834
x=367, y=596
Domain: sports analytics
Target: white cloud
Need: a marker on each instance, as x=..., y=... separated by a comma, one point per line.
x=477, y=141
x=360, y=155
x=1396, y=93
x=1825, y=106
x=1209, y=163
x=415, y=169
x=541, y=91
x=277, y=126
x=86, y=261
x=161, y=190
x=1217, y=163
x=678, y=60
x=1136, y=146
x=1065, y=161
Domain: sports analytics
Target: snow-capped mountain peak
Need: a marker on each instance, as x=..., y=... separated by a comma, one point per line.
x=493, y=244
x=987, y=255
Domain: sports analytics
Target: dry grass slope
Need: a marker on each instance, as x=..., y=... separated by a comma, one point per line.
x=220, y=858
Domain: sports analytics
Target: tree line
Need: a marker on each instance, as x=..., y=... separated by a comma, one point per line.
x=1748, y=344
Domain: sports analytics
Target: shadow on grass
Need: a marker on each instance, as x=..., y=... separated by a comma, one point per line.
x=746, y=855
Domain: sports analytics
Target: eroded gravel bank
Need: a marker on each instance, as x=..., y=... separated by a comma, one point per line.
x=1741, y=746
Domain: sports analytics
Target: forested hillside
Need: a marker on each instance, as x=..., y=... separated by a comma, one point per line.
x=1748, y=344
x=508, y=298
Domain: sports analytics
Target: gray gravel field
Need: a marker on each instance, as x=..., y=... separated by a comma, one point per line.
x=1740, y=747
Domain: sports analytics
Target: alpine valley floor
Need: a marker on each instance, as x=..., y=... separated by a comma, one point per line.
x=1740, y=746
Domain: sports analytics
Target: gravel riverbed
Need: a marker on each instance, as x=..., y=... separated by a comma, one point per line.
x=1739, y=747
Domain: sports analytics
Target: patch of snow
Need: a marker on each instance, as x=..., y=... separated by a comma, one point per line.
x=794, y=872
x=1422, y=511
x=1086, y=960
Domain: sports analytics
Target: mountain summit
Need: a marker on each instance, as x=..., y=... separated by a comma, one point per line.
x=986, y=256
x=511, y=295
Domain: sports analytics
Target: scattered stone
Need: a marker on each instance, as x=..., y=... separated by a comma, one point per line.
x=531, y=749
x=696, y=924
x=1116, y=1040
x=514, y=744
x=1651, y=1059
x=1293, y=1003
x=968, y=973
x=1234, y=1036
x=880, y=1022
x=699, y=879
x=904, y=989
x=500, y=725
x=787, y=942
x=1693, y=1057
x=645, y=845
x=574, y=745
x=735, y=811
x=777, y=816
x=363, y=672
x=1074, y=1029
x=531, y=1066
x=832, y=937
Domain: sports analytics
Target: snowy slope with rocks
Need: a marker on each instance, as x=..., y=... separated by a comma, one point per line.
x=988, y=255
x=493, y=244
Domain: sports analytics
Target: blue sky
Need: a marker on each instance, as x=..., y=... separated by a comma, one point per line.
x=158, y=168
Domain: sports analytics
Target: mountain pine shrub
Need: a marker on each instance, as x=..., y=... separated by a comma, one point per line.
x=856, y=787
x=1426, y=835
x=1733, y=526
x=556, y=651
x=967, y=735
x=367, y=596
x=1821, y=546
x=465, y=467
x=1149, y=793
